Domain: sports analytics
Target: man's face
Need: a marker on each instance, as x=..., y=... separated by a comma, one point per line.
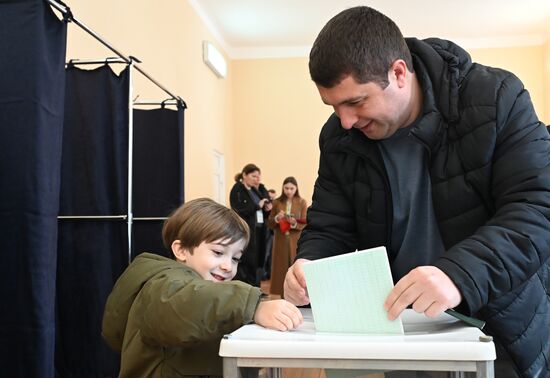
x=377, y=112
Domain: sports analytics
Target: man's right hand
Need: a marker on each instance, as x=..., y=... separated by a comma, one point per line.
x=295, y=290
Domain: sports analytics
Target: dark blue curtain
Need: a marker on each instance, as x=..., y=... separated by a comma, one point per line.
x=92, y=253
x=158, y=174
x=32, y=55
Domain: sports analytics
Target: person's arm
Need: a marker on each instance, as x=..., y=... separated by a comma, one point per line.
x=274, y=215
x=265, y=203
x=300, y=215
x=241, y=202
x=176, y=311
x=295, y=288
x=278, y=314
x=505, y=252
x=515, y=242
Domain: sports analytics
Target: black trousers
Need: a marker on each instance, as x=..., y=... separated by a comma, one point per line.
x=250, y=268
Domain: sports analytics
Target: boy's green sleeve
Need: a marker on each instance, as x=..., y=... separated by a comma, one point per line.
x=176, y=313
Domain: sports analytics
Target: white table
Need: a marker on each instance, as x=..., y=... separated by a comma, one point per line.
x=440, y=344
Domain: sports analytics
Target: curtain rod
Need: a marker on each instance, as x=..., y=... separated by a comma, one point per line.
x=96, y=61
x=123, y=217
x=68, y=17
x=146, y=102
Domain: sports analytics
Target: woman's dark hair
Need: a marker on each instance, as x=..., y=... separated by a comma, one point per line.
x=360, y=42
x=291, y=180
x=247, y=169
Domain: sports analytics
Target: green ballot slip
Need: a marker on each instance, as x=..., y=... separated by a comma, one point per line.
x=347, y=293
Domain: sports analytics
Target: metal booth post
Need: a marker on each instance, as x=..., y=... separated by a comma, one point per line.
x=132, y=64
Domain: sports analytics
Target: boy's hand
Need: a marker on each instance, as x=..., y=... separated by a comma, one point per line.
x=295, y=289
x=278, y=314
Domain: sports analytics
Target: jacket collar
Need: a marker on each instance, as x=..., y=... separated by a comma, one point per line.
x=445, y=65
x=429, y=125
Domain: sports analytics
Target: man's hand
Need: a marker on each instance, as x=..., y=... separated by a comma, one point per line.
x=295, y=290
x=278, y=314
x=427, y=289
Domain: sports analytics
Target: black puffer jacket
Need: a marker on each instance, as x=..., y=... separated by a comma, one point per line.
x=490, y=173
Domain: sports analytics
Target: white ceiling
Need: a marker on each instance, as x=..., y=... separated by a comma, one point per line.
x=283, y=28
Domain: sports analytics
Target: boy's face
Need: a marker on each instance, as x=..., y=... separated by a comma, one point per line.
x=213, y=261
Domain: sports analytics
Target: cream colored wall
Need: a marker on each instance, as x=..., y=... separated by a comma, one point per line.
x=525, y=62
x=167, y=37
x=275, y=97
x=277, y=117
x=267, y=111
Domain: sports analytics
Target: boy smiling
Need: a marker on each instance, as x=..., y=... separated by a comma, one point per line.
x=167, y=317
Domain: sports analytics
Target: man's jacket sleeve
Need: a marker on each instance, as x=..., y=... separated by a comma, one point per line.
x=510, y=248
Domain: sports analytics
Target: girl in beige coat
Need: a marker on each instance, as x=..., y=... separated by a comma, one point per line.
x=287, y=219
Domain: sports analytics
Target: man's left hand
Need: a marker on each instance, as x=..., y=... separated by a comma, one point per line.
x=427, y=289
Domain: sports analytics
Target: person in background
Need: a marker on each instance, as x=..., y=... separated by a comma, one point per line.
x=272, y=194
x=269, y=241
x=287, y=219
x=249, y=198
x=167, y=317
x=444, y=162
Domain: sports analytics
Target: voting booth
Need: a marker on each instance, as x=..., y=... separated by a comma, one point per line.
x=441, y=344
x=348, y=328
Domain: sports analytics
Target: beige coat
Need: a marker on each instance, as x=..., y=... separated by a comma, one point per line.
x=284, y=246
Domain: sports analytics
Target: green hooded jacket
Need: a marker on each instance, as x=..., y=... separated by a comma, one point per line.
x=167, y=321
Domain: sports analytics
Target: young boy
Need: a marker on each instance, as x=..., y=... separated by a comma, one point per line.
x=167, y=317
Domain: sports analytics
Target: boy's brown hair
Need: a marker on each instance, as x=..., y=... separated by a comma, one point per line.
x=203, y=220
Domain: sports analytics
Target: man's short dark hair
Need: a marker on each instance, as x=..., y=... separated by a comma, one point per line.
x=360, y=42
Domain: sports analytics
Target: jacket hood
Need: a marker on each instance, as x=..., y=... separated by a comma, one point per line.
x=120, y=301
x=444, y=65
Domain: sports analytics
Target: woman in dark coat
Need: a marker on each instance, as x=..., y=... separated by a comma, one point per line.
x=250, y=200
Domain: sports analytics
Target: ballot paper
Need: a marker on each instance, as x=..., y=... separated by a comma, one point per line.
x=347, y=293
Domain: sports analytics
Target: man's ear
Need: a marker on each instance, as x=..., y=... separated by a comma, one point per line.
x=178, y=251
x=400, y=72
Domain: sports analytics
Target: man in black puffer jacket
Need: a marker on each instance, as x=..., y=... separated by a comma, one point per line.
x=445, y=163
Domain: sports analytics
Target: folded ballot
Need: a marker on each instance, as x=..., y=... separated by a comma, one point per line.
x=347, y=293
